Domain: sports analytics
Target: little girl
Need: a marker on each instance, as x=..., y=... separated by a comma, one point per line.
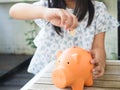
x=57, y=18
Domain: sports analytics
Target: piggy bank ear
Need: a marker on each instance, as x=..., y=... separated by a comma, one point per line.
x=76, y=57
x=58, y=54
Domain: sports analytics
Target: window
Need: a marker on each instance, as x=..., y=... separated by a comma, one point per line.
x=7, y=1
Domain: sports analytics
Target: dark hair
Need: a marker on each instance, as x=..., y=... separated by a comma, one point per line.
x=81, y=8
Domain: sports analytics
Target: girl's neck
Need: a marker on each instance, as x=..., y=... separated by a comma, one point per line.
x=70, y=4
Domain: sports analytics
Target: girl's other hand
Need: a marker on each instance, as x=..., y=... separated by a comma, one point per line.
x=98, y=62
x=61, y=18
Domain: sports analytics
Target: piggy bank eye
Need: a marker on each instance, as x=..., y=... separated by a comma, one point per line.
x=68, y=62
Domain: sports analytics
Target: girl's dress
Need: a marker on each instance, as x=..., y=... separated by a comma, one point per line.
x=48, y=42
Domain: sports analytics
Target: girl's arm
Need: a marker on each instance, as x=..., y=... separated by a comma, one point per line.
x=99, y=55
x=57, y=17
x=26, y=11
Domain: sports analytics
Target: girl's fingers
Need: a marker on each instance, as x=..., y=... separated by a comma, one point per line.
x=63, y=17
x=69, y=21
x=75, y=22
x=99, y=74
x=98, y=71
x=95, y=62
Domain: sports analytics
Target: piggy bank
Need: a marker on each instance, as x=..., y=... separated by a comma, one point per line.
x=73, y=69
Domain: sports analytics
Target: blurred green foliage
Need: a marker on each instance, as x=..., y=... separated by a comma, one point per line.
x=31, y=34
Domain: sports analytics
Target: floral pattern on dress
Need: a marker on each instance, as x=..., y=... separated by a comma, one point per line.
x=48, y=42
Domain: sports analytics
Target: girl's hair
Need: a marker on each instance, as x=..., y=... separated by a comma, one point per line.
x=81, y=8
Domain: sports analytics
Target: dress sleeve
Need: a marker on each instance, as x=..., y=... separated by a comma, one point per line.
x=41, y=22
x=104, y=21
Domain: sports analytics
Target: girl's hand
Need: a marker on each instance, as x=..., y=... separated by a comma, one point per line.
x=98, y=62
x=61, y=18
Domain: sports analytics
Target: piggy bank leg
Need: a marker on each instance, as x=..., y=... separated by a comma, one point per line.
x=89, y=82
x=78, y=85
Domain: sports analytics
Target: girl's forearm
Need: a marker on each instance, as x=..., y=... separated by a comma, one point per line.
x=99, y=41
x=99, y=47
x=27, y=11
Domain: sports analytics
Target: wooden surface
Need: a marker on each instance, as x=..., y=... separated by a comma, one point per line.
x=110, y=81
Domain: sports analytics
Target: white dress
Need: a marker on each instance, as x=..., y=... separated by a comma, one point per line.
x=48, y=42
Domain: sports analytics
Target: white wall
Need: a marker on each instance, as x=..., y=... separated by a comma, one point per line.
x=111, y=36
x=12, y=38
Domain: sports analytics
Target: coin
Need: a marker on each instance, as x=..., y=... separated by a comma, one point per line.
x=72, y=32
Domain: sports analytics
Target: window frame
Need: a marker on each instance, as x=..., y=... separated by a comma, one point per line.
x=10, y=1
x=119, y=30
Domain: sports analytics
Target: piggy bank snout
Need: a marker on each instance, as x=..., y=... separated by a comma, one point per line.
x=59, y=78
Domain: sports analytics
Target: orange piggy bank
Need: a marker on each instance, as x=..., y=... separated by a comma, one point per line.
x=73, y=69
